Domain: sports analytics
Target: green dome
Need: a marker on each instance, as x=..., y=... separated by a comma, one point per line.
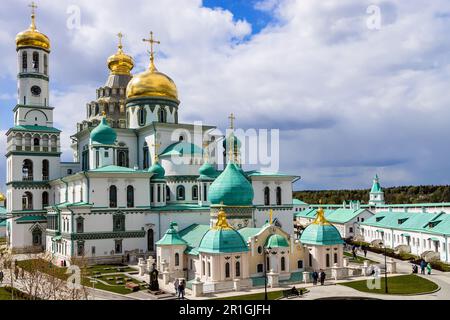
x=233, y=140
x=222, y=241
x=231, y=188
x=207, y=170
x=322, y=235
x=157, y=170
x=276, y=241
x=171, y=237
x=103, y=133
x=180, y=149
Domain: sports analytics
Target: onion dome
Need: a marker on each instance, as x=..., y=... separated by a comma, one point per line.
x=157, y=170
x=222, y=238
x=103, y=133
x=231, y=188
x=376, y=185
x=152, y=83
x=207, y=171
x=321, y=232
x=276, y=241
x=120, y=63
x=32, y=37
x=231, y=140
x=171, y=237
x=2, y=197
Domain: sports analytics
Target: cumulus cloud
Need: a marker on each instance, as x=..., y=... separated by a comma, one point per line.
x=349, y=101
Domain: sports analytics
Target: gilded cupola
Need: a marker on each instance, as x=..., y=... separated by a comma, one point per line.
x=152, y=83
x=32, y=37
x=120, y=63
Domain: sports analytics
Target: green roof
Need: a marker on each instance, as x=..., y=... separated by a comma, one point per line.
x=297, y=202
x=180, y=149
x=231, y=188
x=103, y=133
x=31, y=218
x=193, y=235
x=171, y=237
x=222, y=241
x=207, y=171
x=157, y=170
x=70, y=204
x=323, y=235
x=376, y=188
x=116, y=169
x=343, y=215
x=35, y=128
x=180, y=207
x=247, y=232
x=256, y=173
x=276, y=241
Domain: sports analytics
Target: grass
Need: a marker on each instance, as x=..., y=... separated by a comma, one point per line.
x=407, y=284
x=60, y=272
x=359, y=259
x=5, y=294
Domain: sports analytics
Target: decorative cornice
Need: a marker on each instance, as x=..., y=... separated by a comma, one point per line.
x=29, y=184
x=31, y=153
x=32, y=75
x=31, y=107
x=104, y=235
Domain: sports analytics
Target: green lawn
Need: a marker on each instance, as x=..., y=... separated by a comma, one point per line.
x=359, y=259
x=407, y=284
x=60, y=272
x=272, y=295
x=5, y=294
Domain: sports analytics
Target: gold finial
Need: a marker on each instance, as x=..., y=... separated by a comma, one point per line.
x=103, y=113
x=271, y=216
x=156, y=145
x=120, y=35
x=152, y=53
x=232, y=118
x=222, y=222
x=320, y=218
x=33, y=6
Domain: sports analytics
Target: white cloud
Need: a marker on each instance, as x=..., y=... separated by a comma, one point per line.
x=350, y=101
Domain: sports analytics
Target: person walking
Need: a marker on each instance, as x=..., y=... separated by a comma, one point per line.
x=322, y=277
x=181, y=287
x=1, y=276
x=422, y=266
x=365, y=251
x=429, y=268
x=176, y=285
x=22, y=273
x=315, y=276
x=16, y=272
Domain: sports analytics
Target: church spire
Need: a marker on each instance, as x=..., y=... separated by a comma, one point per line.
x=152, y=52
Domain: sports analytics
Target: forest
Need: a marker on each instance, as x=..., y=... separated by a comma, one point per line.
x=393, y=195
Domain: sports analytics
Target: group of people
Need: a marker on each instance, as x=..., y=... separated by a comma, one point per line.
x=423, y=265
x=355, y=251
x=321, y=275
x=179, y=286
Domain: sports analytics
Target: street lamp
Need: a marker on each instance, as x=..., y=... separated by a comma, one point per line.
x=266, y=251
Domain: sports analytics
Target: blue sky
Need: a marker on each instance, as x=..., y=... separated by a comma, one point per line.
x=350, y=100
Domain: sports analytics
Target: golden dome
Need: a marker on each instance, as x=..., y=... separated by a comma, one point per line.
x=120, y=63
x=32, y=37
x=152, y=83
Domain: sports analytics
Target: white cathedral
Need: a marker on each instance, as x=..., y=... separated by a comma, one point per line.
x=135, y=168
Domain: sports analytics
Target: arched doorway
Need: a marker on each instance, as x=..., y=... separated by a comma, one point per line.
x=150, y=240
x=37, y=236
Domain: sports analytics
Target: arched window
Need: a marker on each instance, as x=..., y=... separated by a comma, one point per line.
x=145, y=163
x=44, y=199
x=24, y=61
x=113, y=196
x=96, y=109
x=130, y=196
x=36, y=61
x=162, y=115
x=195, y=192
x=327, y=260
x=45, y=169
x=283, y=264
x=180, y=193
x=238, y=269
x=36, y=142
x=167, y=193
x=205, y=192
x=266, y=196
x=122, y=157
x=335, y=258
x=45, y=64
x=310, y=260
x=27, y=201
x=150, y=240
x=227, y=270
x=142, y=114
x=177, y=259
x=278, y=196
x=27, y=170
x=209, y=269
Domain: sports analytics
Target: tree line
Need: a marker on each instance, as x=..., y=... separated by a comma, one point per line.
x=392, y=195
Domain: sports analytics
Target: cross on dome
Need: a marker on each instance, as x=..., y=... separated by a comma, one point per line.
x=33, y=6
x=152, y=53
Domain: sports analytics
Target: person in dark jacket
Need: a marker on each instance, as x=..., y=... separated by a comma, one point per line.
x=315, y=276
x=423, y=264
x=322, y=277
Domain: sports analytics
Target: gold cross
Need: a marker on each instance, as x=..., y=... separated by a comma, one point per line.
x=152, y=53
x=32, y=6
x=120, y=35
x=232, y=118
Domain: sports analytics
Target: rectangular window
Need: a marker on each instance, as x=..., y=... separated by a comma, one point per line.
x=118, y=246
x=300, y=264
x=93, y=250
x=260, y=268
x=80, y=248
x=97, y=159
x=106, y=154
